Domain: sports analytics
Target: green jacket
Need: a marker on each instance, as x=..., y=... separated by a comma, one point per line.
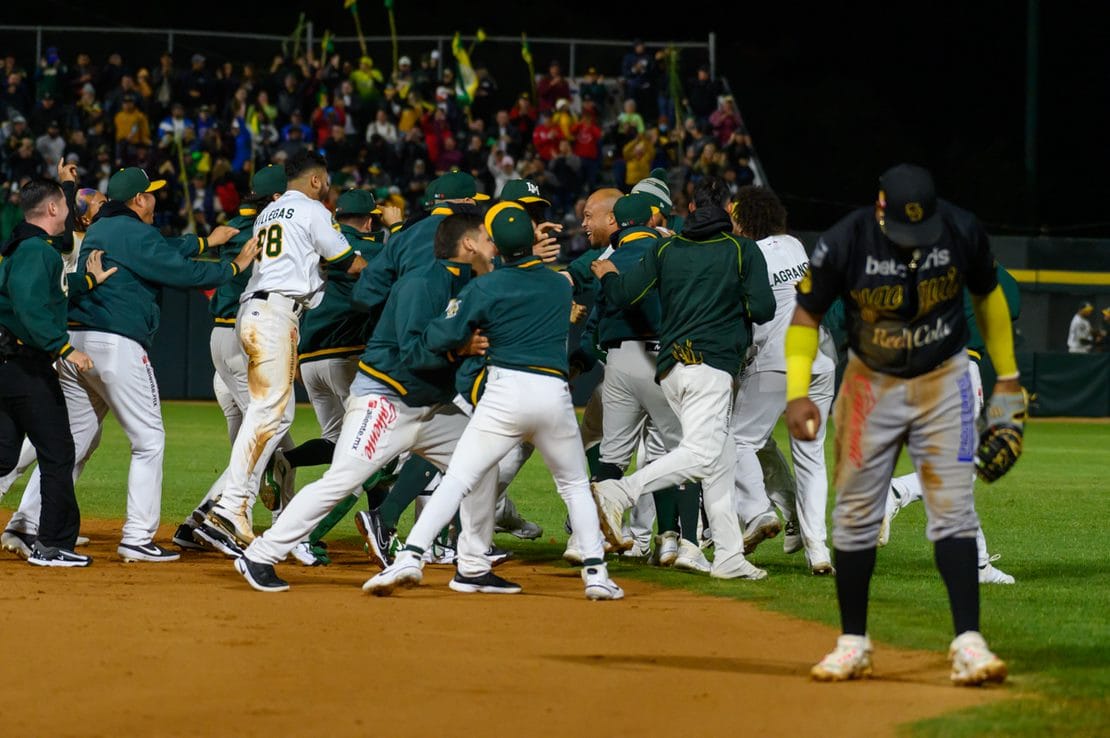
x=331, y=329
x=580, y=274
x=712, y=286
x=224, y=305
x=396, y=355
x=33, y=292
x=412, y=247
x=639, y=322
x=524, y=310
x=976, y=346
x=127, y=304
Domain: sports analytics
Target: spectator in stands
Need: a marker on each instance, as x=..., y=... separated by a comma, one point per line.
x=402, y=77
x=563, y=119
x=592, y=87
x=16, y=98
x=144, y=89
x=552, y=87
x=587, y=147
x=546, y=137
x=293, y=139
x=725, y=120
x=382, y=126
x=567, y=185
x=485, y=97
x=694, y=139
x=112, y=74
x=636, y=68
x=367, y=81
x=630, y=123
x=702, y=94
x=1080, y=332
x=51, y=145
x=523, y=116
x=197, y=83
x=132, y=126
x=450, y=157
x=47, y=111
x=25, y=163
x=638, y=155
x=80, y=74
x=164, y=80
x=50, y=73
x=505, y=135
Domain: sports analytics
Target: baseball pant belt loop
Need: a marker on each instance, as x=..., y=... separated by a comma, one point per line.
x=279, y=300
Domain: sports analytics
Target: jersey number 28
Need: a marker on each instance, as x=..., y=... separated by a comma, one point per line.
x=269, y=241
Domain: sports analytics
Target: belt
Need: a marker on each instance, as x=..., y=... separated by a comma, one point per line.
x=276, y=298
x=652, y=347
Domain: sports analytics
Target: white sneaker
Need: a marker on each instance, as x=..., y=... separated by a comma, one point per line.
x=763, y=526
x=598, y=584
x=691, y=558
x=405, y=571
x=988, y=574
x=302, y=552
x=666, y=548
x=610, y=514
x=820, y=563
x=637, y=551
x=973, y=663
x=851, y=659
x=792, y=541
x=893, y=507
x=573, y=554
x=737, y=568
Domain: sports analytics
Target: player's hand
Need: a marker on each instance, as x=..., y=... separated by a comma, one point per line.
x=221, y=235
x=803, y=419
x=547, y=246
x=94, y=266
x=250, y=250
x=391, y=215
x=476, y=345
x=578, y=313
x=66, y=172
x=601, y=267
x=80, y=360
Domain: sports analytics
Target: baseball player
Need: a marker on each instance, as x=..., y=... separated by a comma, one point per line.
x=524, y=309
x=907, y=489
x=901, y=268
x=294, y=233
x=761, y=398
x=704, y=333
x=399, y=402
x=114, y=325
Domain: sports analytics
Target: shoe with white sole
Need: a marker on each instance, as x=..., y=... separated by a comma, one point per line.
x=150, y=552
x=610, y=514
x=518, y=527
x=973, y=663
x=184, y=538
x=56, y=557
x=988, y=574
x=488, y=583
x=738, y=568
x=498, y=556
x=893, y=507
x=227, y=532
x=690, y=558
x=573, y=555
x=407, y=570
x=260, y=576
x=638, y=550
x=820, y=564
x=18, y=542
x=305, y=556
x=598, y=584
x=666, y=548
x=851, y=659
x=763, y=526
x=792, y=541
x=379, y=538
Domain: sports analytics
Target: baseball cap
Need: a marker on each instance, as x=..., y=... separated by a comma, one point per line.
x=454, y=185
x=908, y=201
x=357, y=202
x=404, y=61
x=510, y=227
x=521, y=190
x=126, y=183
x=633, y=210
x=269, y=180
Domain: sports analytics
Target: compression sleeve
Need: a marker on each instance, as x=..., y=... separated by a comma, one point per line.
x=993, y=315
x=801, y=349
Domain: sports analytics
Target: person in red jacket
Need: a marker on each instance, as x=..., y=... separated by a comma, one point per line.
x=586, y=136
x=552, y=87
x=546, y=138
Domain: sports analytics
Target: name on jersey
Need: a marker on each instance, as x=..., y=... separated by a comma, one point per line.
x=276, y=214
x=922, y=335
x=790, y=275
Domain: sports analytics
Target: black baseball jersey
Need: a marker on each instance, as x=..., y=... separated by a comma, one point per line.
x=904, y=307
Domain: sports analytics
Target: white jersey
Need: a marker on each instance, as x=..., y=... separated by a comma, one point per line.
x=69, y=260
x=787, y=263
x=1079, y=335
x=294, y=233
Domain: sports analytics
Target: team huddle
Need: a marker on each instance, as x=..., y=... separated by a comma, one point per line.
x=435, y=353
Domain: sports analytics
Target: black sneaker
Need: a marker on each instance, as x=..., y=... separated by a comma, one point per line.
x=488, y=583
x=184, y=538
x=498, y=556
x=218, y=539
x=147, y=552
x=378, y=538
x=50, y=556
x=260, y=576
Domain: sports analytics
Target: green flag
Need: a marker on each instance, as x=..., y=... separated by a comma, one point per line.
x=525, y=51
x=466, y=85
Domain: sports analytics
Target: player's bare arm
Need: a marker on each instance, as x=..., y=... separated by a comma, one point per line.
x=802, y=415
x=357, y=265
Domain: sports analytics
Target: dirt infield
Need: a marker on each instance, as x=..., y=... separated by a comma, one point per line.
x=187, y=649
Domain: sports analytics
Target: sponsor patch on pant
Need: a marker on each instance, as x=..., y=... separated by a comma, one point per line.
x=377, y=421
x=968, y=440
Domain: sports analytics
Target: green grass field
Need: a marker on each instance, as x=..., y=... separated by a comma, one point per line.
x=1048, y=519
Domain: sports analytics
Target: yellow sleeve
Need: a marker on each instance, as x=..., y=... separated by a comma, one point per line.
x=801, y=350
x=993, y=315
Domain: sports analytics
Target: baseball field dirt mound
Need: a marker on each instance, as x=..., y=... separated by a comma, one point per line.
x=187, y=649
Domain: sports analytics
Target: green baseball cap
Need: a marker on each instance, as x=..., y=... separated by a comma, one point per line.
x=126, y=183
x=454, y=185
x=269, y=181
x=633, y=210
x=357, y=202
x=510, y=227
x=521, y=190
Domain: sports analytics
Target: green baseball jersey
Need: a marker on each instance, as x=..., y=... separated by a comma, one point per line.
x=712, y=286
x=224, y=305
x=638, y=322
x=412, y=247
x=331, y=329
x=33, y=288
x=976, y=346
x=524, y=310
x=127, y=304
x=396, y=354
x=580, y=274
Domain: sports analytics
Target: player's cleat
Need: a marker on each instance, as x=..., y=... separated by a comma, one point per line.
x=405, y=571
x=820, y=563
x=598, y=584
x=666, y=548
x=498, y=556
x=380, y=540
x=184, y=538
x=277, y=481
x=638, y=550
x=851, y=659
x=18, y=542
x=973, y=663
x=57, y=557
x=236, y=525
x=219, y=538
x=792, y=541
x=763, y=526
x=260, y=576
x=610, y=514
x=442, y=552
x=515, y=525
x=988, y=574
x=488, y=583
x=822, y=568
x=151, y=552
x=306, y=556
x=738, y=568
x=893, y=507
x=690, y=558
x=573, y=555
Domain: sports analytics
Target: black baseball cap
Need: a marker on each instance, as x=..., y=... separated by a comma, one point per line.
x=908, y=201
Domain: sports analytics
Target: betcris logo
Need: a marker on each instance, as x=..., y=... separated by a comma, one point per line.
x=884, y=267
x=936, y=258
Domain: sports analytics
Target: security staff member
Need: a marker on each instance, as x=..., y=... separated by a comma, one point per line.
x=33, y=297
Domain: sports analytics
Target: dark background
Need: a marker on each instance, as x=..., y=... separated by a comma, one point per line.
x=832, y=96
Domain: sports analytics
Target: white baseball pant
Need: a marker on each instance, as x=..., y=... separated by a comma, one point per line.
x=328, y=383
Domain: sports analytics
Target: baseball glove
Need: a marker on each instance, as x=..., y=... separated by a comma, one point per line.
x=1000, y=444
